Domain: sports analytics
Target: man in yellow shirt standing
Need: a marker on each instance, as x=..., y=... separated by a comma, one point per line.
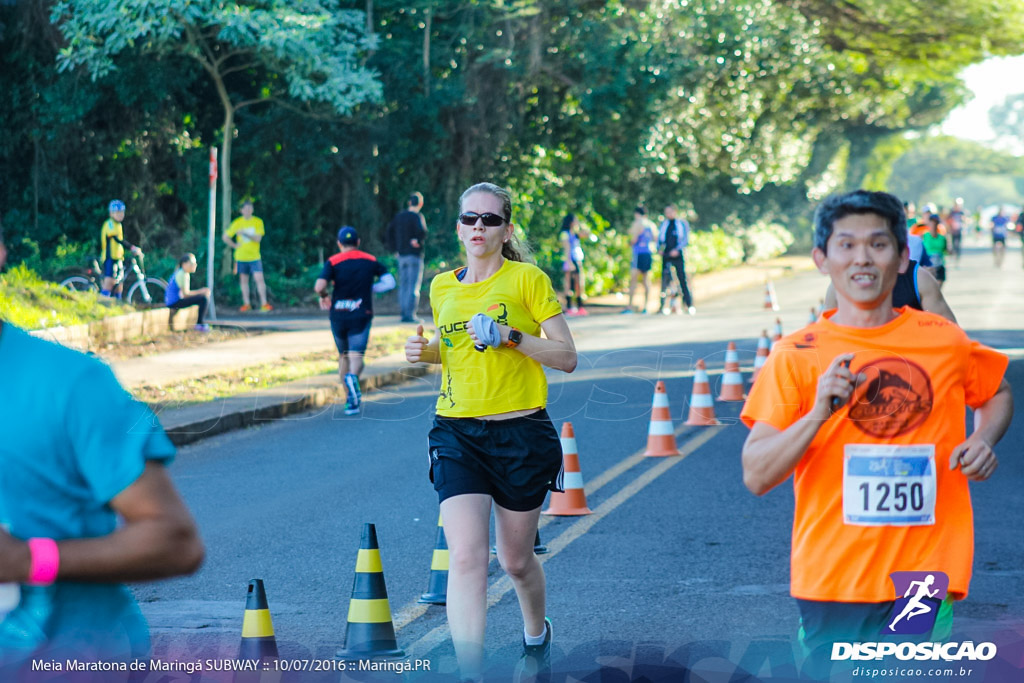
x=244, y=236
x=112, y=246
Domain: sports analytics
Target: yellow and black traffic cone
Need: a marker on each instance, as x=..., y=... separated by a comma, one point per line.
x=258, y=640
x=370, y=632
x=437, y=586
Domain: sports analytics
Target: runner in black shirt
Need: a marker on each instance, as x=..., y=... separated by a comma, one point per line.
x=351, y=305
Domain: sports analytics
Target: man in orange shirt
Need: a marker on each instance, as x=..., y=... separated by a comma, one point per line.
x=865, y=407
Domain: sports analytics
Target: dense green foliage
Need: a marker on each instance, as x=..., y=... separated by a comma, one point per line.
x=741, y=111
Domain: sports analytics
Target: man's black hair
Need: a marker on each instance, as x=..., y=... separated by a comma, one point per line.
x=415, y=199
x=568, y=221
x=839, y=206
x=640, y=210
x=186, y=258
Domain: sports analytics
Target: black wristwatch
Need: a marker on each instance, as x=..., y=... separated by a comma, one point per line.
x=514, y=338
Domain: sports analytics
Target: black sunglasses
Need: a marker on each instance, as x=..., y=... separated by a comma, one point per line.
x=491, y=220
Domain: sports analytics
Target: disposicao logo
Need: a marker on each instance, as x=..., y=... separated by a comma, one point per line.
x=922, y=594
x=918, y=597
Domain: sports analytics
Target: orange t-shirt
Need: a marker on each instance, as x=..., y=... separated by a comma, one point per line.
x=922, y=370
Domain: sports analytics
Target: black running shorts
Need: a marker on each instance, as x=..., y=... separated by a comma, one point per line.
x=515, y=461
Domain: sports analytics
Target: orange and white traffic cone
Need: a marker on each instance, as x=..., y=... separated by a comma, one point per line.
x=770, y=302
x=762, y=355
x=732, y=378
x=661, y=435
x=572, y=501
x=702, y=408
x=777, y=332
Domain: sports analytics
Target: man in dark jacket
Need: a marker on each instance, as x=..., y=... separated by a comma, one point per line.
x=406, y=233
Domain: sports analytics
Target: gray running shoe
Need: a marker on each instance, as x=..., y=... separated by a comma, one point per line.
x=535, y=664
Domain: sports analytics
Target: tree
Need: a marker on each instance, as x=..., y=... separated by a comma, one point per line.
x=282, y=51
x=1007, y=120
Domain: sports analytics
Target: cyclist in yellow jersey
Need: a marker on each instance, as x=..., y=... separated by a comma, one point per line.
x=244, y=236
x=112, y=246
x=492, y=441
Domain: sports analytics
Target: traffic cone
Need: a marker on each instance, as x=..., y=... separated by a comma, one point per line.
x=573, y=501
x=777, y=332
x=661, y=435
x=732, y=378
x=369, y=632
x=770, y=302
x=702, y=408
x=258, y=640
x=762, y=355
x=538, y=547
x=437, y=585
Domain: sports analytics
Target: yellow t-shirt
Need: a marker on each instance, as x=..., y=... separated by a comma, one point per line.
x=498, y=380
x=246, y=230
x=110, y=229
x=856, y=517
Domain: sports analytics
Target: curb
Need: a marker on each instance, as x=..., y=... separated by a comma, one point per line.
x=193, y=423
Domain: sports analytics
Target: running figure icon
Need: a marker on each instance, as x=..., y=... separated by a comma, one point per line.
x=915, y=606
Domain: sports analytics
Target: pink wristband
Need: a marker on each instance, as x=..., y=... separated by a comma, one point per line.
x=45, y=561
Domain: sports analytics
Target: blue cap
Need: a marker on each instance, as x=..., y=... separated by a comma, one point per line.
x=348, y=235
x=115, y=205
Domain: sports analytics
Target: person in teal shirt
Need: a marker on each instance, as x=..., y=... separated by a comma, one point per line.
x=85, y=504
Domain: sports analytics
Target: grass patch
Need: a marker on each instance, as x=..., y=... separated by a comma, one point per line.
x=264, y=376
x=28, y=301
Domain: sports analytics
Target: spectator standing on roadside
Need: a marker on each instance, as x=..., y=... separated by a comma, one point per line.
x=244, y=236
x=112, y=246
x=350, y=301
x=406, y=233
x=643, y=234
x=85, y=504
x=181, y=295
x=673, y=237
x=574, y=282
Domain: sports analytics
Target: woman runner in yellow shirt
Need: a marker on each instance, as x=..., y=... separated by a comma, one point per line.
x=492, y=440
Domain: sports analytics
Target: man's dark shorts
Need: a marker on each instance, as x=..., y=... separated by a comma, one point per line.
x=113, y=268
x=250, y=267
x=351, y=332
x=515, y=461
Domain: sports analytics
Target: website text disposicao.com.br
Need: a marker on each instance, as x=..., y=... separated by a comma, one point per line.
x=908, y=671
x=911, y=657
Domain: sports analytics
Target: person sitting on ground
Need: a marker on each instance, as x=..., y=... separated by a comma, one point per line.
x=181, y=295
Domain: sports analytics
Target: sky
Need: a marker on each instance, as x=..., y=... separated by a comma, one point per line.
x=990, y=81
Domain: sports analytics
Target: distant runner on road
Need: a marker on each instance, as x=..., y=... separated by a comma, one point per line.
x=350, y=300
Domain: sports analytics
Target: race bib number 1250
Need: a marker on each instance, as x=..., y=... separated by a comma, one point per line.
x=886, y=485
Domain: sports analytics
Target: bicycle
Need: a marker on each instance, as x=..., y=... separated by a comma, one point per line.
x=142, y=290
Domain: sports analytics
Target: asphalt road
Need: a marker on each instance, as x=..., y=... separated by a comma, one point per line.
x=678, y=566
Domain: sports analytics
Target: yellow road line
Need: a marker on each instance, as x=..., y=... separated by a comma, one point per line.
x=502, y=586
